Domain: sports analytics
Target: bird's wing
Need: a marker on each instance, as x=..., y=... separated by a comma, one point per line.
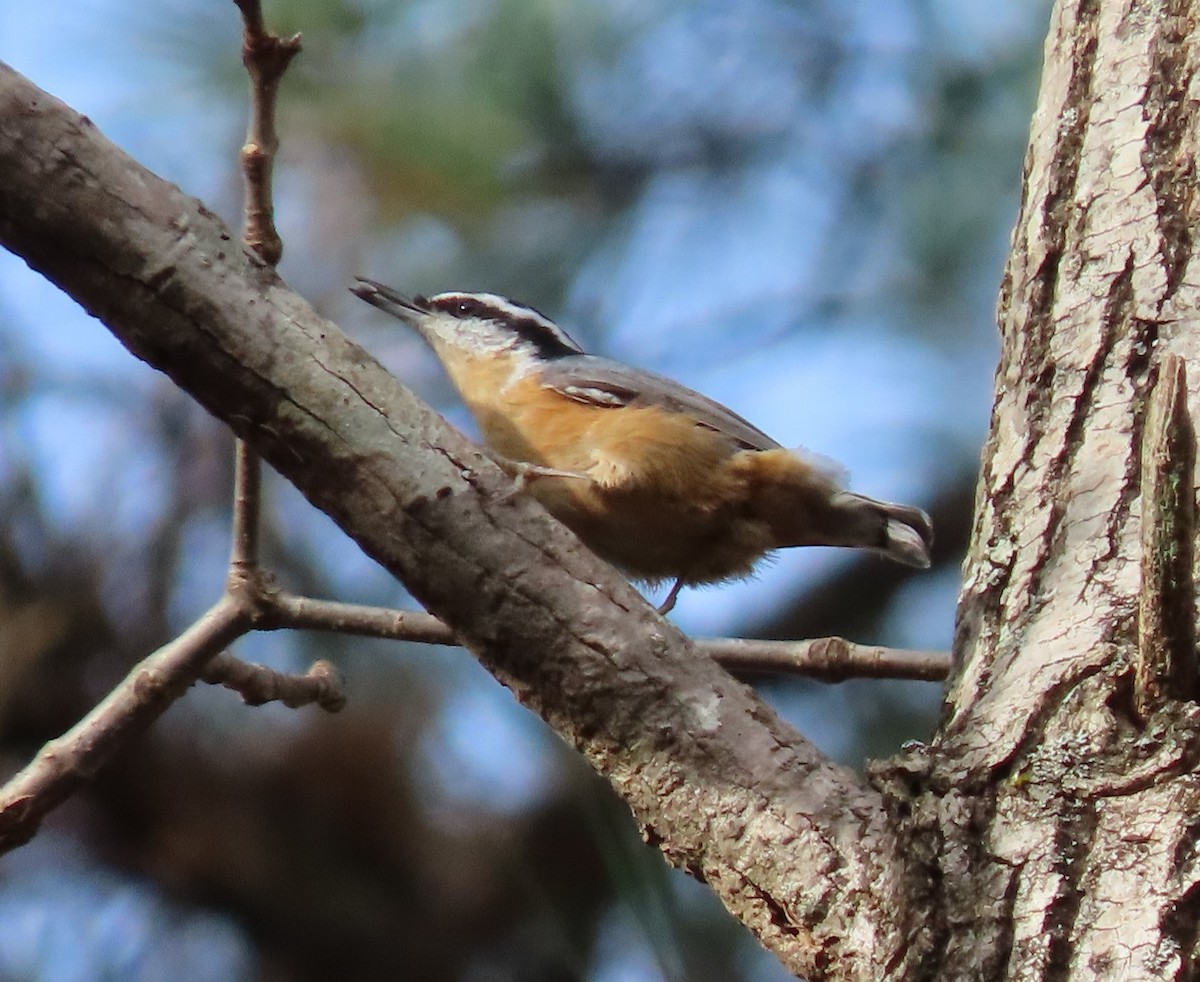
x=602, y=382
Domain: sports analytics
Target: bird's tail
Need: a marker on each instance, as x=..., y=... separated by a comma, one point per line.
x=802, y=500
x=900, y=532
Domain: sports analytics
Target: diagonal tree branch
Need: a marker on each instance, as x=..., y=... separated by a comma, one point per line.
x=797, y=847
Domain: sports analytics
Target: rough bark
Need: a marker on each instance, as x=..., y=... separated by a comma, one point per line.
x=798, y=848
x=1061, y=825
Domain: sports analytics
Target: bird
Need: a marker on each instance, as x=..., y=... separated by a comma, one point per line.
x=662, y=482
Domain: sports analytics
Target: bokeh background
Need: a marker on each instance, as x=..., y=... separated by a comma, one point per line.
x=798, y=207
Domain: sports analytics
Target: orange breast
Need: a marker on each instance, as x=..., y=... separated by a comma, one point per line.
x=659, y=498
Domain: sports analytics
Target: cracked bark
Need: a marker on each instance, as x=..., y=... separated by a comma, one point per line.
x=1062, y=824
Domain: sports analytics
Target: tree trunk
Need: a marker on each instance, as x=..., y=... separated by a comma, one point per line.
x=1057, y=804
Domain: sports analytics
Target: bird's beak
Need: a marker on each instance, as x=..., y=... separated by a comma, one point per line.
x=407, y=309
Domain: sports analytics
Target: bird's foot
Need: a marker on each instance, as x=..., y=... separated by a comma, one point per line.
x=669, y=603
x=522, y=472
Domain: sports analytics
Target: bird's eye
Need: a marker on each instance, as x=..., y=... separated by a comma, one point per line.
x=461, y=305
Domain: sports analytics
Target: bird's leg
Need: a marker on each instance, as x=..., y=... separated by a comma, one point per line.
x=669, y=604
x=522, y=472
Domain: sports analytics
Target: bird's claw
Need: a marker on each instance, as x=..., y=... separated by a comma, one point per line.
x=523, y=472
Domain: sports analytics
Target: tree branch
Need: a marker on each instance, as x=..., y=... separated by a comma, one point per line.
x=64, y=764
x=829, y=659
x=247, y=495
x=266, y=57
x=257, y=684
x=800, y=849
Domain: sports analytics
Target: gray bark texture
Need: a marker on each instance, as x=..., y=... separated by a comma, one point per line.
x=1049, y=831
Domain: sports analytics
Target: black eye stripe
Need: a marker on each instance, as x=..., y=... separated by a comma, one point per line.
x=548, y=343
x=466, y=307
x=526, y=322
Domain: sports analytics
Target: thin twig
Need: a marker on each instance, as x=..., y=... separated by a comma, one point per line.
x=64, y=764
x=247, y=493
x=830, y=659
x=307, y=614
x=266, y=57
x=257, y=684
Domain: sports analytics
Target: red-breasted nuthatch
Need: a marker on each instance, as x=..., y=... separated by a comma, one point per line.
x=659, y=480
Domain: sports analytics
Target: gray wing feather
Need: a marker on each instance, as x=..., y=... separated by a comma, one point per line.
x=606, y=383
